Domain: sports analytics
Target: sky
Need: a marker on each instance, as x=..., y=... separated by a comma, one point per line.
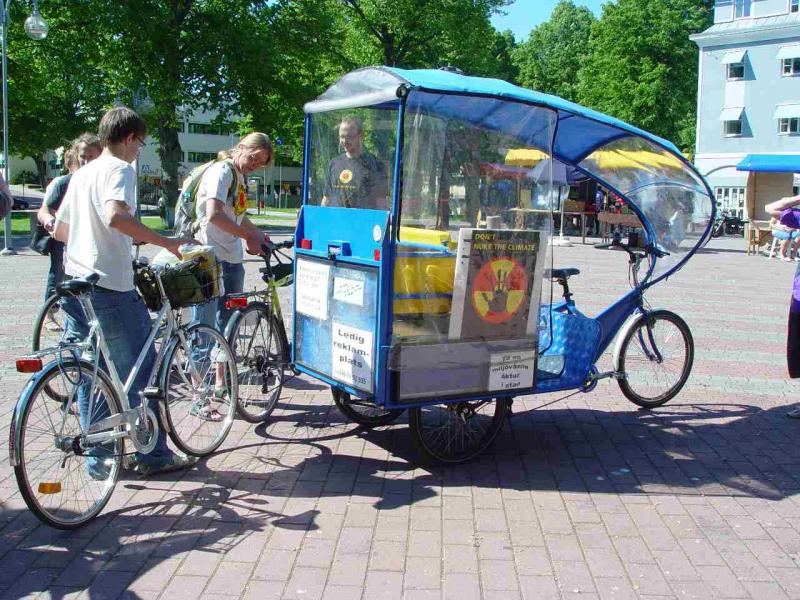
x=524, y=15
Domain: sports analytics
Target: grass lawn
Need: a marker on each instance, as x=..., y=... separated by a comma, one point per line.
x=20, y=225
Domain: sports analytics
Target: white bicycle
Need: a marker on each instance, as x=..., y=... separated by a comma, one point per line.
x=70, y=425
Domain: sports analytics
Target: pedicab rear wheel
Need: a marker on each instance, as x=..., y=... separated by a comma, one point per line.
x=459, y=431
x=363, y=412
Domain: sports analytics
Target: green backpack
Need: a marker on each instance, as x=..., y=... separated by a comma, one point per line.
x=186, y=224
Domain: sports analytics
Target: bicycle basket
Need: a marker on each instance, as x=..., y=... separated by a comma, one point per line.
x=192, y=282
x=145, y=280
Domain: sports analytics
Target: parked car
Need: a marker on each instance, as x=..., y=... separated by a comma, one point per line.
x=20, y=204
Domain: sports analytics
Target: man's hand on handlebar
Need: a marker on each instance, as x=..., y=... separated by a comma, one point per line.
x=255, y=242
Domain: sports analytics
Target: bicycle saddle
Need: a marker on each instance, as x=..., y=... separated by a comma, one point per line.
x=564, y=274
x=77, y=286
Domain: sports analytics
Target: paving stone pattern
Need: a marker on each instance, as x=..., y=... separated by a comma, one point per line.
x=584, y=497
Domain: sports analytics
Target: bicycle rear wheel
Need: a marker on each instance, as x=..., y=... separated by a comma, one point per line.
x=64, y=484
x=457, y=432
x=47, y=332
x=653, y=378
x=260, y=348
x=199, y=386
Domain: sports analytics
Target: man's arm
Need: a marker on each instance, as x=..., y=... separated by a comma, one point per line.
x=119, y=217
x=776, y=208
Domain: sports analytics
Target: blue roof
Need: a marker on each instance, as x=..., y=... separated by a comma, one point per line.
x=770, y=163
x=580, y=129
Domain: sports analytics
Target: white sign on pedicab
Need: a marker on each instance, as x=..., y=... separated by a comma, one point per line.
x=352, y=360
x=311, y=289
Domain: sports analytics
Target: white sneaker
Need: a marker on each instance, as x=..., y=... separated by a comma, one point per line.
x=51, y=324
x=786, y=259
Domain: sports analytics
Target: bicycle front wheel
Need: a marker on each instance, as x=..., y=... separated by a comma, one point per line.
x=49, y=325
x=655, y=369
x=64, y=483
x=199, y=385
x=260, y=346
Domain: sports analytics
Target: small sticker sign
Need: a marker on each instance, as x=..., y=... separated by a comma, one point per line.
x=352, y=356
x=377, y=234
x=512, y=370
x=350, y=291
x=311, y=289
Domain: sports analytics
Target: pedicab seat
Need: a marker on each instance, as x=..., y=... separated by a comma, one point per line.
x=564, y=274
x=424, y=271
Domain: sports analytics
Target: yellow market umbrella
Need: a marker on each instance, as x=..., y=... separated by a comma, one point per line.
x=524, y=157
x=633, y=159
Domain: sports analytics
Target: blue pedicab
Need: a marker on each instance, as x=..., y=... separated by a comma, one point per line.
x=418, y=284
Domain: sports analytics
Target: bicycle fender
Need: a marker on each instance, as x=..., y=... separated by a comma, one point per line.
x=632, y=322
x=236, y=316
x=15, y=432
x=162, y=381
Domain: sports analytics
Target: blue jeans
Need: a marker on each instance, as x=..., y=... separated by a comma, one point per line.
x=126, y=324
x=214, y=313
x=56, y=273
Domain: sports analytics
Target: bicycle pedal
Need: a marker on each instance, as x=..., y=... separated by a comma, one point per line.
x=152, y=393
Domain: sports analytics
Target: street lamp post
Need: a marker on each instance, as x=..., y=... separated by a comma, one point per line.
x=36, y=28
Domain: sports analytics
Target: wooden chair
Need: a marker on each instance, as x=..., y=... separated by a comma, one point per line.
x=758, y=234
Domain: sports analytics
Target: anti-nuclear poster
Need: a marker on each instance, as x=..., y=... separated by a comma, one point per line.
x=497, y=285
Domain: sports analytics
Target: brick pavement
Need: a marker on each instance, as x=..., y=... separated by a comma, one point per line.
x=585, y=497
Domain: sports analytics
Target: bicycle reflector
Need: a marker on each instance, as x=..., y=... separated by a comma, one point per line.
x=29, y=365
x=49, y=487
x=234, y=303
x=305, y=244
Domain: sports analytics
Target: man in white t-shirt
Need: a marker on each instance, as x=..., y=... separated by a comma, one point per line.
x=96, y=221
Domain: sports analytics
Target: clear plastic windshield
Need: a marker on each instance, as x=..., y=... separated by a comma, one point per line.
x=670, y=196
x=475, y=216
x=352, y=155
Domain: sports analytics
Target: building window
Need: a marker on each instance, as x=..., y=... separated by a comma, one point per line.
x=742, y=9
x=210, y=128
x=794, y=6
x=790, y=67
x=788, y=126
x=200, y=157
x=733, y=128
x=731, y=199
x=735, y=71
x=796, y=190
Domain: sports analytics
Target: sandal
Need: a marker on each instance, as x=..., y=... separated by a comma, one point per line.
x=203, y=410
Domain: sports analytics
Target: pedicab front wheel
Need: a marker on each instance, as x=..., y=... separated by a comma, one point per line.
x=656, y=361
x=363, y=412
x=457, y=432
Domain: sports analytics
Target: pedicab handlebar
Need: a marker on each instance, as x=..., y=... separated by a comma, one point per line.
x=649, y=249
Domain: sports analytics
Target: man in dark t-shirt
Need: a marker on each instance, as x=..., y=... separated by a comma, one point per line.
x=355, y=178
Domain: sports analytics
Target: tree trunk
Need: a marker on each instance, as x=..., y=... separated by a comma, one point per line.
x=41, y=169
x=171, y=154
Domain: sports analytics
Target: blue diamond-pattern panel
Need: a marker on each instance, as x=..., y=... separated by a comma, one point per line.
x=572, y=351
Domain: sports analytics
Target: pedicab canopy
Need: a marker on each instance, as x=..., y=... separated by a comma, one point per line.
x=436, y=157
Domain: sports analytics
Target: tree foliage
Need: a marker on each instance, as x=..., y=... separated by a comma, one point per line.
x=642, y=67
x=550, y=59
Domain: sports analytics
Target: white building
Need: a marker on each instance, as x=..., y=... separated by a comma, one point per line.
x=748, y=106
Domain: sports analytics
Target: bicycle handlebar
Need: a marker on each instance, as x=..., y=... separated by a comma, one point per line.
x=649, y=249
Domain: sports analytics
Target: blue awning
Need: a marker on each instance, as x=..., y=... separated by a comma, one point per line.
x=770, y=163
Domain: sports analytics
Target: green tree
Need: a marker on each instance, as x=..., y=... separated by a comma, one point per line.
x=235, y=56
x=56, y=86
x=418, y=33
x=643, y=67
x=555, y=50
